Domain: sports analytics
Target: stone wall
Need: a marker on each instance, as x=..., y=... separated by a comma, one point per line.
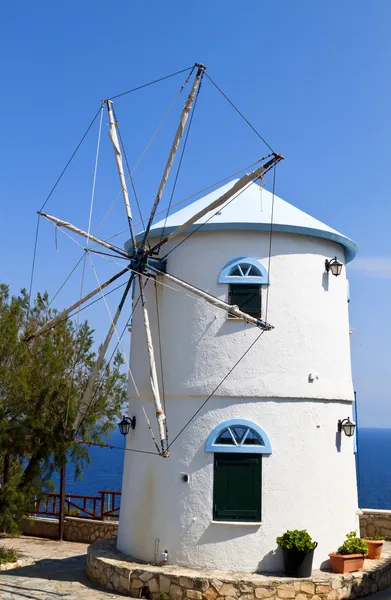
x=116, y=572
x=375, y=522
x=41, y=527
x=75, y=530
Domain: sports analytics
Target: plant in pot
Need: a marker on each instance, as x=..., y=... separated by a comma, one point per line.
x=375, y=546
x=350, y=556
x=298, y=552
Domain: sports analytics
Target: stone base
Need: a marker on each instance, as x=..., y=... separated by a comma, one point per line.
x=117, y=572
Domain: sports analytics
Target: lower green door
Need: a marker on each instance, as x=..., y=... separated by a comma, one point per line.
x=237, y=487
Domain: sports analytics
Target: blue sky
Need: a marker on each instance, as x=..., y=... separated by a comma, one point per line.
x=312, y=76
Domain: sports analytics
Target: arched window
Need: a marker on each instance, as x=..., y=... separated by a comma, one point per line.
x=244, y=270
x=238, y=435
x=245, y=277
x=238, y=446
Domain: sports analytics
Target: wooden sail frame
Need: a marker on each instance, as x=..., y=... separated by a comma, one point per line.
x=144, y=263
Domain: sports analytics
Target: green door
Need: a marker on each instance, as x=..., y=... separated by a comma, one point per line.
x=237, y=487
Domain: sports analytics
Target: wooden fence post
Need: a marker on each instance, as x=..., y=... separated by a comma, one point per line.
x=61, y=516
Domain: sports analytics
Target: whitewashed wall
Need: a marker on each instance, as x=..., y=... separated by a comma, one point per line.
x=309, y=480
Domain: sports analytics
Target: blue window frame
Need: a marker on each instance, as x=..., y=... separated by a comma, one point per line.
x=238, y=435
x=244, y=270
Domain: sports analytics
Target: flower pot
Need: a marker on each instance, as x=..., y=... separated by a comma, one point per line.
x=345, y=563
x=298, y=563
x=374, y=548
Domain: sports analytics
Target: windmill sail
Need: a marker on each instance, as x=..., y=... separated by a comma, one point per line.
x=143, y=261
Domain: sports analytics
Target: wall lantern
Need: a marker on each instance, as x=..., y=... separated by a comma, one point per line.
x=347, y=426
x=126, y=424
x=334, y=266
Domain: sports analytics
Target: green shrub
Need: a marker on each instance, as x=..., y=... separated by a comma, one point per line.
x=353, y=545
x=297, y=539
x=7, y=555
x=374, y=538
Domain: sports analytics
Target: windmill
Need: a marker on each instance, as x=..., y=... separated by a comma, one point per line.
x=144, y=261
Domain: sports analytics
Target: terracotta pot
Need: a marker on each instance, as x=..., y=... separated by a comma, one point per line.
x=345, y=563
x=374, y=548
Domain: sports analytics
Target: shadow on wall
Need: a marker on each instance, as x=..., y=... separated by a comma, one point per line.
x=217, y=533
x=269, y=561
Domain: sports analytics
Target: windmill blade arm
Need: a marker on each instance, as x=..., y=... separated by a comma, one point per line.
x=63, y=315
x=118, y=159
x=83, y=233
x=229, y=308
x=160, y=416
x=86, y=400
x=174, y=148
x=235, y=189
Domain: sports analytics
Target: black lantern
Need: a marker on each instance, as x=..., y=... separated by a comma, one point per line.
x=334, y=266
x=347, y=426
x=126, y=424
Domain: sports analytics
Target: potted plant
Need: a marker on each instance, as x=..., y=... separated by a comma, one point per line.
x=375, y=546
x=350, y=556
x=298, y=552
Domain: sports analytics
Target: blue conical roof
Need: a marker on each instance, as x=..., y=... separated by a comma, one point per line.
x=252, y=210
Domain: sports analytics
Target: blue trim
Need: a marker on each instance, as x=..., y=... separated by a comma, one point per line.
x=225, y=276
x=211, y=446
x=349, y=246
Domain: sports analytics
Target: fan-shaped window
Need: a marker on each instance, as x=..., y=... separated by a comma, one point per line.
x=244, y=270
x=238, y=436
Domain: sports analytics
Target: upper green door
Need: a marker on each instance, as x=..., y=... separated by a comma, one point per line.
x=237, y=487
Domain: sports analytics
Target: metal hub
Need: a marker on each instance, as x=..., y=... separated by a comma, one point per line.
x=141, y=260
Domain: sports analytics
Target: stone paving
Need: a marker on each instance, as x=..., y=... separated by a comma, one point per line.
x=51, y=571
x=54, y=570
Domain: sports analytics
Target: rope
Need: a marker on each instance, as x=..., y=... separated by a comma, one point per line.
x=239, y=112
x=128, y=167
x=163, y=120
x=47, y=199
x=119, y=339
x=215, y=390
x=270, y=241
x=140, y=87
x=109, y=362
x=123, y=354
x=211, y=217
x=180, y=290
x=84, y=307
x=108, y=254
x=114, y=447
x=182, y=155
x=72, y=373
x=70, y=160
x=184, y=199
x=142, y=156
x=33, y=263
x=115, y=328
x=91, y=209
x=66, y=280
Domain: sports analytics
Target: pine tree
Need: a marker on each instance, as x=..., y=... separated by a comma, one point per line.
x=41, y=387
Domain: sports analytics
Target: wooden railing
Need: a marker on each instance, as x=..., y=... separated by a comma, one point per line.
x=106, y=506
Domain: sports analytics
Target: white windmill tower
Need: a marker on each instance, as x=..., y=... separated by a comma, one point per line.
x=244, y=443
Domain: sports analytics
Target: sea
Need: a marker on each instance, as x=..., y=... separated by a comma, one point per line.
x=373, y=461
